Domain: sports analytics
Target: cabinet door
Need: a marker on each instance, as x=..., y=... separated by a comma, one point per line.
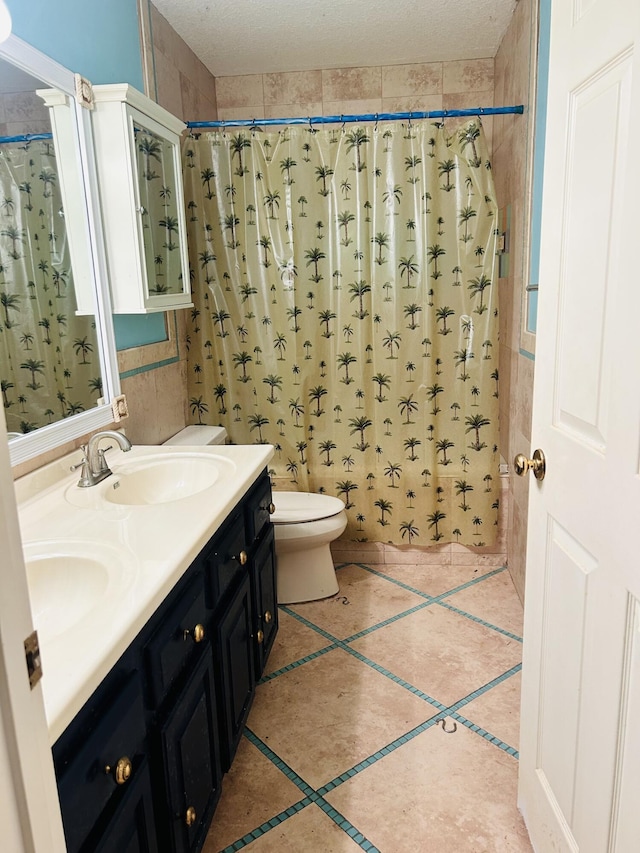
x=190, y=750
x=131, y=829
x=264, y=596
x=160, y=207
x=235, y=668
x=109, y=734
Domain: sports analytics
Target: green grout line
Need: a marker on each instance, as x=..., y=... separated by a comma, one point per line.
x=480, y=621
x=297, y=663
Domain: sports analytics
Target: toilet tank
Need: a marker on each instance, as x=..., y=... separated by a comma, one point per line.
x=195, y=435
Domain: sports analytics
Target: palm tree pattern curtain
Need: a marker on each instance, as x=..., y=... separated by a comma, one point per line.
x=344, y=311
x=48, y=363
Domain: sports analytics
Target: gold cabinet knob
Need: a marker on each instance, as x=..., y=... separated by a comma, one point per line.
x=197, y=634
x=122, y=771
x=242, y=558
x=190, y=816
x=272, y=508
x=260, y=636
x=268, y=617
x=538, y=464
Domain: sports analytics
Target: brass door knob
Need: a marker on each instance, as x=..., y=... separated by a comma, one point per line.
x=122, y=771
x=242, y=558
x=198, y=633
x=260, y=636
x=272, y=508
x=190, y=816
x=537, y=464
x=268, y=617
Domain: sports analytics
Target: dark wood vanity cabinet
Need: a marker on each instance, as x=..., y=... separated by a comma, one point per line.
x=140, y=767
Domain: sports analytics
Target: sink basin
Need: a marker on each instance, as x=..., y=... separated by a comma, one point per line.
x=67, y=580
x=162, y=479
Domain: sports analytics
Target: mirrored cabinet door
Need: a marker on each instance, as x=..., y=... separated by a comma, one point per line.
x=138, y=157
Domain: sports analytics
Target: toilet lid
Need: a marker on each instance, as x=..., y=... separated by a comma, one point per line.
x=297, y=507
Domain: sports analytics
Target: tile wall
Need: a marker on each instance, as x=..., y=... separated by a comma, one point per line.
x=21, y=113
x=512, y=156
x=373, y=89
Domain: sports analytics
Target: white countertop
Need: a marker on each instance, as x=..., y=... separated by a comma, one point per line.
x=148, y=547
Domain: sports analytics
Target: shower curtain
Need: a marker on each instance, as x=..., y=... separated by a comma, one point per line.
x=48, y=355
x=345, y=310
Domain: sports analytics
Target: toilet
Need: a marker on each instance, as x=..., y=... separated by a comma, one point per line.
x=198, y=435
x=305, y=525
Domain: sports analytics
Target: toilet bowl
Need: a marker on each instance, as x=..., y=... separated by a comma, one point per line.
x=305, y=524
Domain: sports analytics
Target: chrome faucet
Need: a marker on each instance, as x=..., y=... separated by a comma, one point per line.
x=94, y=465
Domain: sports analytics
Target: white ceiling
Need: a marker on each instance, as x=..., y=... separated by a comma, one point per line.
x=261, y=36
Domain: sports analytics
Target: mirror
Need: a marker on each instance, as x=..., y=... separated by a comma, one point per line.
x=57, y=357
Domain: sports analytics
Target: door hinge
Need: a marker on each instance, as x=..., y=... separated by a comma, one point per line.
x=34, y=662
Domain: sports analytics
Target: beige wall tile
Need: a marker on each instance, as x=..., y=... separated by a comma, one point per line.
x=416, y=557
x=244, y=91
x=464, y=75
x=169, y=86
x=403, y=80
x=352, y=84
x=230, y=113
x=298, y=87
x=366, y=107
x=406, y=103
x=313, y=108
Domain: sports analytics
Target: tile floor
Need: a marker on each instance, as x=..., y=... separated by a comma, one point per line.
x=387, y=720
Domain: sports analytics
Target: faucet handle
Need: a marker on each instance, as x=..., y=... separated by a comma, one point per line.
x=83, y=448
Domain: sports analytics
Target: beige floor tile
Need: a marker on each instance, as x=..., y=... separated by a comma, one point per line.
x=310, y=831
x=364, y=600
x=450, y=793
x=293, y=641
x=434, y=580
x=327, y=715
x=253, y=791
x=494, y=600
x=444, y=654
x=498, y=710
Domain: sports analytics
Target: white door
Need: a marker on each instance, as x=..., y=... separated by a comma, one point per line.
x=580, y=740
x=30, y=818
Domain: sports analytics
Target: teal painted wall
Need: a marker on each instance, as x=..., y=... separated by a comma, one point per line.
x=101, y=41
x=538, y=157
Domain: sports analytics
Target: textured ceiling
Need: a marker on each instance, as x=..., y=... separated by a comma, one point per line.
x=260, y=36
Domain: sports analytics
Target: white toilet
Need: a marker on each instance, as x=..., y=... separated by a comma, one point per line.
x=305, y=525
x=195, y=435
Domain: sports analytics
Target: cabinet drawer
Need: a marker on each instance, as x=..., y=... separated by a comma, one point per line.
x=257, y=508
x=84, y=785
x=227, y=560
x=180, y=636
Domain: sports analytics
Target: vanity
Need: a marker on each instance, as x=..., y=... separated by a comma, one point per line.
x=167, y=589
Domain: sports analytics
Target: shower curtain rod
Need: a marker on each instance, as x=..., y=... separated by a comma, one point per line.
x=27, y=137
x=343, y=119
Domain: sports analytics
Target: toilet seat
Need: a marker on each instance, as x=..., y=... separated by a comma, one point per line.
x=302, y=507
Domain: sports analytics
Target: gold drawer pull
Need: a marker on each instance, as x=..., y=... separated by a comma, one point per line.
x=268, y=617
x=242, y=558
x=190, y=816
x=197, y=633
x=260, y=636
x=272, y=508
x=122, y=771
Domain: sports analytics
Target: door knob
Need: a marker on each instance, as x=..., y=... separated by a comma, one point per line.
x=537, y=464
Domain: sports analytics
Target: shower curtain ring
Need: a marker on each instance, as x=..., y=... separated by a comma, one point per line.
x=342, y=120
x=410, y=114
x=376, y=124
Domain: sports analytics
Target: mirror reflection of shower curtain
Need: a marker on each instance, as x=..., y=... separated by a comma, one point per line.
x=49, y=365
x=346, y=312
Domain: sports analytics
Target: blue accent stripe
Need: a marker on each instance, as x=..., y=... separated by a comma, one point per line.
x=145, y=367
x=526, y=353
